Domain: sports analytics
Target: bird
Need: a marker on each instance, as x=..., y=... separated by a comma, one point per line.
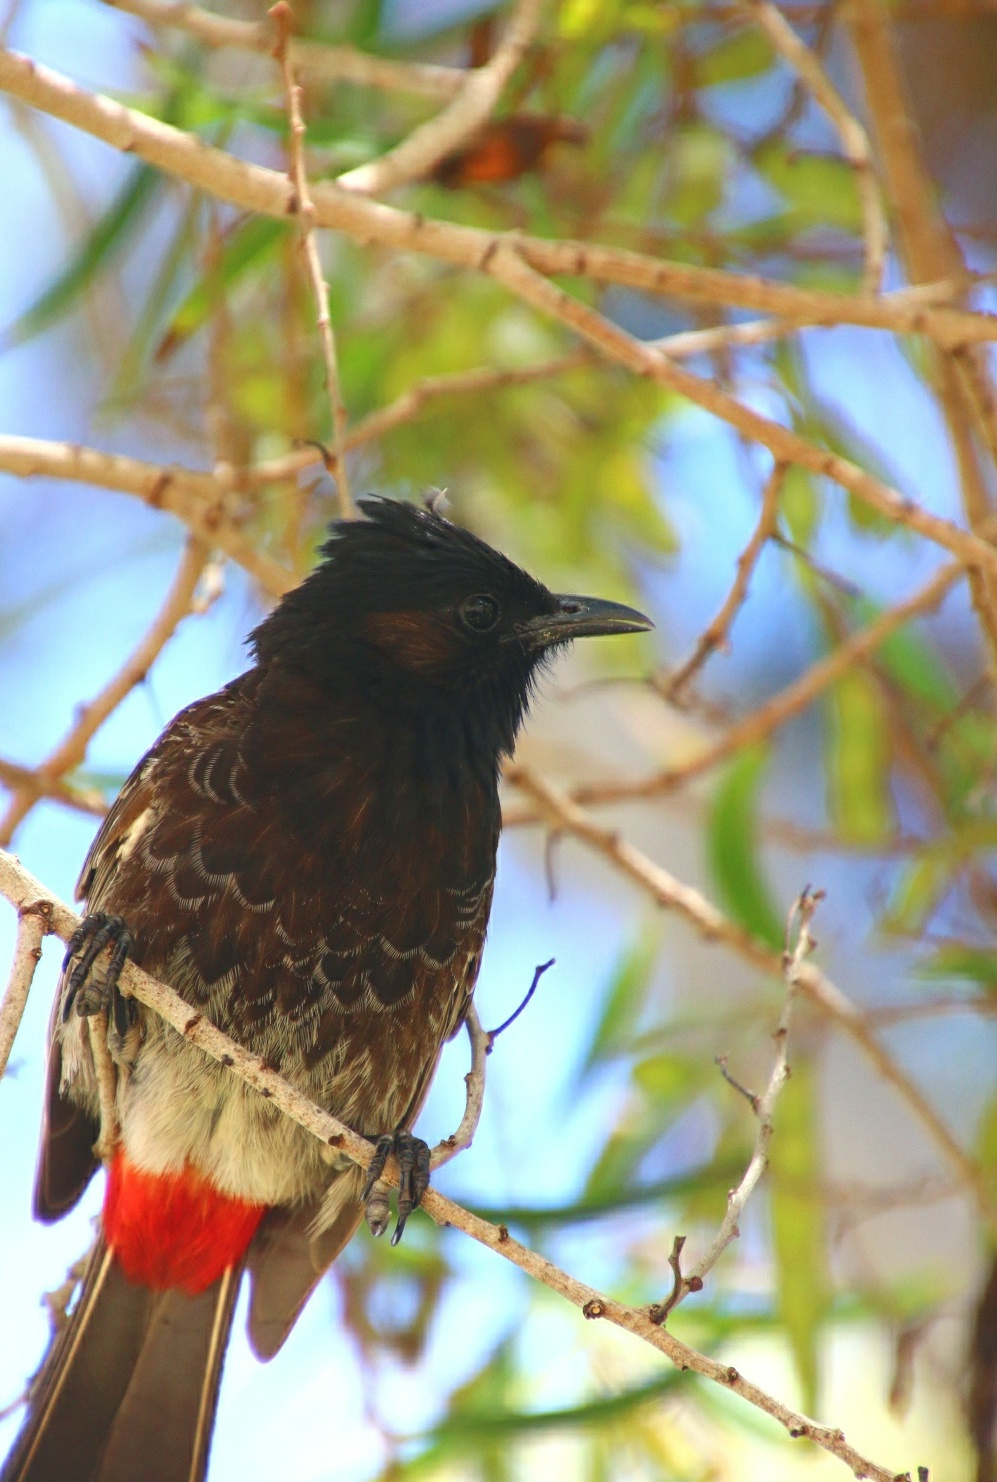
x=308, y=857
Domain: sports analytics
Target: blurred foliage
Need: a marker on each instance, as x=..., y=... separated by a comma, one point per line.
x=697, y=147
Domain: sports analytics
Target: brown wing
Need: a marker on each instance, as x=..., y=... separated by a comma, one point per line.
x=66, y=1162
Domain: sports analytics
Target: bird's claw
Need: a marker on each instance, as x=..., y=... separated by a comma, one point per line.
x=413, y=1168
x=89, y=996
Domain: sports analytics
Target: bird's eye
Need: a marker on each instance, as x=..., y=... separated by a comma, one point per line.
x=479, y=613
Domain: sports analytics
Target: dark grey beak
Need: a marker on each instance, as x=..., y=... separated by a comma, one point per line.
x=582, y=617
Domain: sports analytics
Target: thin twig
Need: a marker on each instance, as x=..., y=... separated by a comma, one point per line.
x=32, y=926
x=788, y=702
x=19, y=887
x=715, y=635
x=854, y=142
x=304, y=209
x=417, y=156
x=493, y=1034
x=323, y=61
x=406, y=407
x=763, y=1107
x=474, y=1083
x=409, y=404
x=73, y=748
x=714, y=926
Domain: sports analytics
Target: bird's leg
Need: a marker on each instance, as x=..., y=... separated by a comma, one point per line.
x=95, y=932
x=413, y=1168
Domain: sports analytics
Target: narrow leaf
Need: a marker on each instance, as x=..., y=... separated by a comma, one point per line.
x=733, y=848
x=798, y=1234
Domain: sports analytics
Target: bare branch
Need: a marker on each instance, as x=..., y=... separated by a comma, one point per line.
x=255, y=188
x=329, y=63
x=197, y=499
x=715, y=635
x=19, y=887
x=788, y=702
x=763, y=1107
x=418, y=155
x=509, y=266
x=928, y=247
x=32, y=927
x=406, y=407
x=481, y=379
x=73, y=749
x=84, y=800
x=854, y=143
x=474, y=1082
x=280, y=14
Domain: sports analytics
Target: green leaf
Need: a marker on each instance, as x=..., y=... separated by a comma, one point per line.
x=913, y=662
x=105, y=238
x=859, y=757
x=246, y=246
x=986, y=1145
x=798, y=1234
x=624, y=999
x=820, y=188
x=977, y=964
x=928, y=878
x=733, y=848
x=701, y=1185
x=698, y=162
x=744, y=54
x=800, y=503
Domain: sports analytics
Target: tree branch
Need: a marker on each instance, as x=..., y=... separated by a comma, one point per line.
x=20, y=888
x=715, y=635
x=509, y=266
x=14, y=776
x=280, y=14
x=254, y=188
x=787, y=703
x=854, y=142
x=326, y=63
x=197, y=499
x=33, y=924
x=763, y=1107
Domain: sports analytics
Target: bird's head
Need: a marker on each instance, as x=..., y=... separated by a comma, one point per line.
x=414, y=612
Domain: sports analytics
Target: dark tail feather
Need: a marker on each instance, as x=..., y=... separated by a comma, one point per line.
x=129, y=1386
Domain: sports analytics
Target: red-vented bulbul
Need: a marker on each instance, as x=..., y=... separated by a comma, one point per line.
x=307, y=856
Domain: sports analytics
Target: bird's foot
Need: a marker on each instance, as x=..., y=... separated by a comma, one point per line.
x=413, y=1168
x=87, y=994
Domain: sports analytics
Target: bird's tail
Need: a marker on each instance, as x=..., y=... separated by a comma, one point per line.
x=129, y=1385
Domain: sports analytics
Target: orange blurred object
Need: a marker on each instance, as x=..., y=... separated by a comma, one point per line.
x=508, y=148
